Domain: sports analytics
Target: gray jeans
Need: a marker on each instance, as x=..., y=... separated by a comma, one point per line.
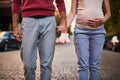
x=38, y=34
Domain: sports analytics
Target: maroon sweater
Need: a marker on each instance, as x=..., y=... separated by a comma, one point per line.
x=36, y=7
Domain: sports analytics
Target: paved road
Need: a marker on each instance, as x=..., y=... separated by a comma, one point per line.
x=64, y=66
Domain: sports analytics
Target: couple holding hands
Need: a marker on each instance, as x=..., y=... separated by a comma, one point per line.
x=39, y=32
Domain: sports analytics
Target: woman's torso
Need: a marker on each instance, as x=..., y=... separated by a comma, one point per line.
x=86, y=10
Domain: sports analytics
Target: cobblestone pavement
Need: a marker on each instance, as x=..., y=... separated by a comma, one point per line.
x=64, y=65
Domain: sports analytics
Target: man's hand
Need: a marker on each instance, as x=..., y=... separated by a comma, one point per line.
x=96, y=22
x=17, y=33
x=16, y=30
x=61, y=29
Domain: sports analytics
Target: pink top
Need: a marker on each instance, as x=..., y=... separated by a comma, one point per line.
x=88, y=9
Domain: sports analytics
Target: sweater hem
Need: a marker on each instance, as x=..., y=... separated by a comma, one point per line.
x=37, y=13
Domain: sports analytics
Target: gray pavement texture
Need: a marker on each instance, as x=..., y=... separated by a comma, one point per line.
x=64, y=65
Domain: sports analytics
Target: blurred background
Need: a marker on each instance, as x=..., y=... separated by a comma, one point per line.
x=65, y=62
x=112, y=26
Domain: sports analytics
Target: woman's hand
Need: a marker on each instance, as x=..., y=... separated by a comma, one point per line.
x=96, y=22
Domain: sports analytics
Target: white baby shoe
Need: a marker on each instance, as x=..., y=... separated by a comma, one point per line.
x=64, y=38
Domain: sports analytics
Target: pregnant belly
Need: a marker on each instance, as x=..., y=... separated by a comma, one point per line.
x=83, y=16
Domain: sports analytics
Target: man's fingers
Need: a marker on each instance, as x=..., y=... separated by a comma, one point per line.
x=18, y=36
x=61, y=29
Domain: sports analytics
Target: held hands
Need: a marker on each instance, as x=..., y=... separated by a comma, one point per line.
x=64, y=37
x=61, y=28
x=17, y=33
x=96, y=22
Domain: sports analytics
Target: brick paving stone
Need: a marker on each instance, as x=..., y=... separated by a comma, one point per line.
x=64, y=65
